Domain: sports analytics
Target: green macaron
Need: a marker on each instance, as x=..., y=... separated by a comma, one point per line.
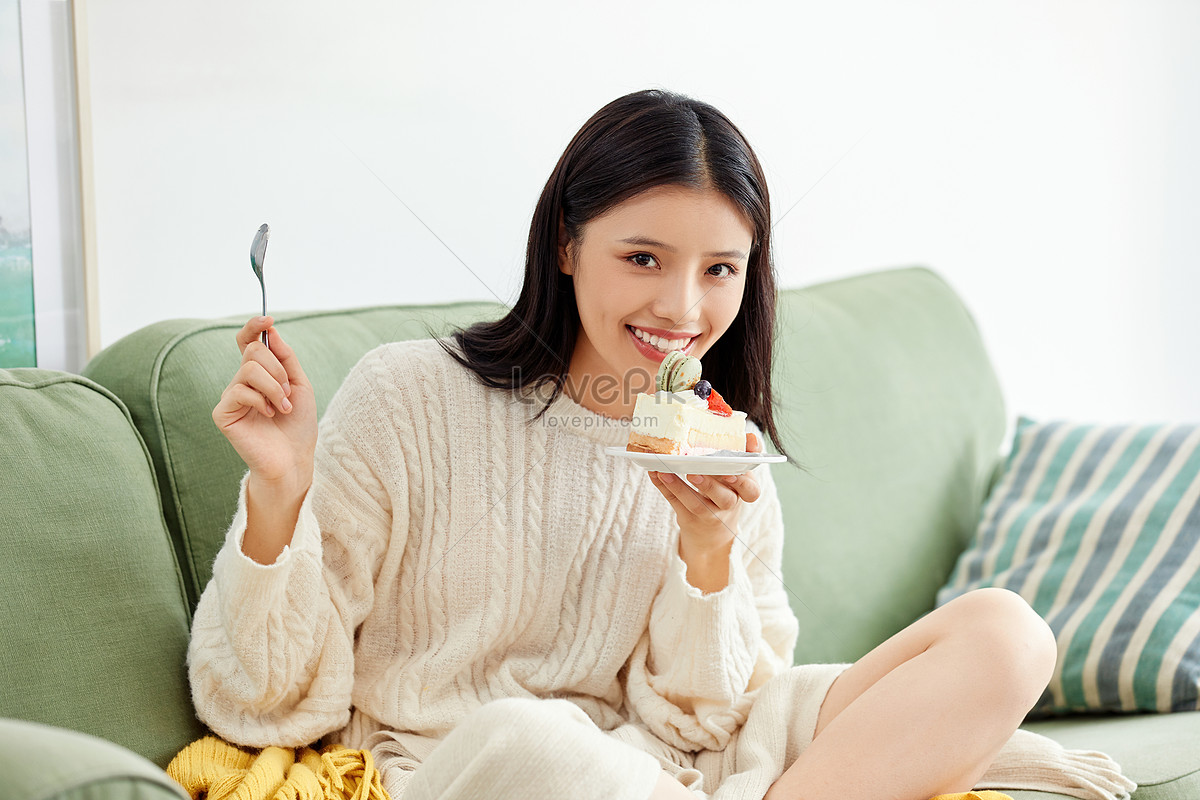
x=678, y=372
x=662, y=379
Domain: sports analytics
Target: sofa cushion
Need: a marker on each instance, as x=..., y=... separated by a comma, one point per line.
x=1098, y=527
x=1159, y=752
x=47, y=763
x=171, y=375
x=95, y=624
x=893, y=411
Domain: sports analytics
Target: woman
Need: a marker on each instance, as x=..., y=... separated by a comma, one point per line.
x=453, y=574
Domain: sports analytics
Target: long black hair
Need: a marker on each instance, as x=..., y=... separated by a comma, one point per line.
x=637, y=142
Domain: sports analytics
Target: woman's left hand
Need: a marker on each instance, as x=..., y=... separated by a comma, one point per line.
x=708, y=514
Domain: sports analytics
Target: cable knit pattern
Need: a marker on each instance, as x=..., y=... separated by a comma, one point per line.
x=451, y=553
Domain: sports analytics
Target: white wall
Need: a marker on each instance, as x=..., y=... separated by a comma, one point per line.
x=1038, y=154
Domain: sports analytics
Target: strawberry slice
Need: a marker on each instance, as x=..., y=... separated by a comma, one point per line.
x=717, y=404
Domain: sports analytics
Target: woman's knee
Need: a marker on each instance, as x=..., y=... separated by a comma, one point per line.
x=1013, y=643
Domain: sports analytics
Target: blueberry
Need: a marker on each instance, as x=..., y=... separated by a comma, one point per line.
x=702, y=389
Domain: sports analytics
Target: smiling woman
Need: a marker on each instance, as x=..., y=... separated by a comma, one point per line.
x=497, y=607
x=656, y=221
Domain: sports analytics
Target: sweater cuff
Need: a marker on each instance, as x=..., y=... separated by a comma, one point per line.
x=252, y=579
x=678, y=569
x=704, y=645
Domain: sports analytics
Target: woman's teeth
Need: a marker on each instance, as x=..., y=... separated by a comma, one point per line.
x=660, y=343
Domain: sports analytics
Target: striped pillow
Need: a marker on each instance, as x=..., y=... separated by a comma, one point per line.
x=1098, y=528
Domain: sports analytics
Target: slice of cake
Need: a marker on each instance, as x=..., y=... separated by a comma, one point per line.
x=685, y=415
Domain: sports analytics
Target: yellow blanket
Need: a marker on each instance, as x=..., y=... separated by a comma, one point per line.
x=214, y=769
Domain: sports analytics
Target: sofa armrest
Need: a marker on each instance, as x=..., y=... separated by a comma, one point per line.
x=41, y=762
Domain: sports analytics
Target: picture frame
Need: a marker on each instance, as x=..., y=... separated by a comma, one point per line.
x=17, y=332
x=61, y=222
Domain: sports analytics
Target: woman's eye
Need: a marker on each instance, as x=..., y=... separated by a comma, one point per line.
x=731, y=271
x=637, y=259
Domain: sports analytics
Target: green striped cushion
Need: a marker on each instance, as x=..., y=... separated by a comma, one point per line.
x=1098, y=527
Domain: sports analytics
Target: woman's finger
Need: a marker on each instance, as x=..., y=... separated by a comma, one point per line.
x=743, y=485
x=287, y=357
x=236, y=401
x=716, y=491
x=753, y=445
x=251, y=331
x=255, y=375
x=686, y=495
x=259, y=353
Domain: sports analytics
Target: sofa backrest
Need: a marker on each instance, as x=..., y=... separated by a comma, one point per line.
x=887, y=399
x=94, y=632
x=892, y=408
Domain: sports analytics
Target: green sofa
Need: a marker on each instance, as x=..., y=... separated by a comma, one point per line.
x=116, y=491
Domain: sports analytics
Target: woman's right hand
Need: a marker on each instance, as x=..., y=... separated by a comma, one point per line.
x=269, y=413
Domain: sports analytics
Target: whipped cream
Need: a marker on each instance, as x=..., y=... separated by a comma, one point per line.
x=687, y=398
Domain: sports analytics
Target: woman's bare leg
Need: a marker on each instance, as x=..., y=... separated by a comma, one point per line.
x=926, y=712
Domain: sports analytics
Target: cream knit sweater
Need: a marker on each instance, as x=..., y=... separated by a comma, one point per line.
x=450, y=553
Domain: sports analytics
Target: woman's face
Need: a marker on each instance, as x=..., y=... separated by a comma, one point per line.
x=668, y=266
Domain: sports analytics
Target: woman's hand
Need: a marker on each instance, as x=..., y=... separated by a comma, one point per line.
x=268, y=412
x=708, y=514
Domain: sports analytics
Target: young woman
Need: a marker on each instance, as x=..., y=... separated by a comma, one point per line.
x=450, y=572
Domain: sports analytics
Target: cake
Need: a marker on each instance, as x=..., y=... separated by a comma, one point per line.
x=685, y=415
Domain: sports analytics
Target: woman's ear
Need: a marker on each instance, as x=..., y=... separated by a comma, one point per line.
x=564, y=257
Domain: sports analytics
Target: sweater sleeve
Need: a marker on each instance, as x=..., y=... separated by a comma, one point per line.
x=696, y=670
x=271, y=659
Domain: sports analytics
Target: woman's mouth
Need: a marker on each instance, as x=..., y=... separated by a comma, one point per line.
x=654, y=346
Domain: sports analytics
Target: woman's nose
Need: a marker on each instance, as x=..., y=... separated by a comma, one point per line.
x=678, y=299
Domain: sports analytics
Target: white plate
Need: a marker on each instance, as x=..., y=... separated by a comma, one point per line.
x=722, y=462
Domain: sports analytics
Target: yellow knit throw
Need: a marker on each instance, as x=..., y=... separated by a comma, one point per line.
x=214, y=769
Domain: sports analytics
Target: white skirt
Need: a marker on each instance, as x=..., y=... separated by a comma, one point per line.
x=522, y=747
